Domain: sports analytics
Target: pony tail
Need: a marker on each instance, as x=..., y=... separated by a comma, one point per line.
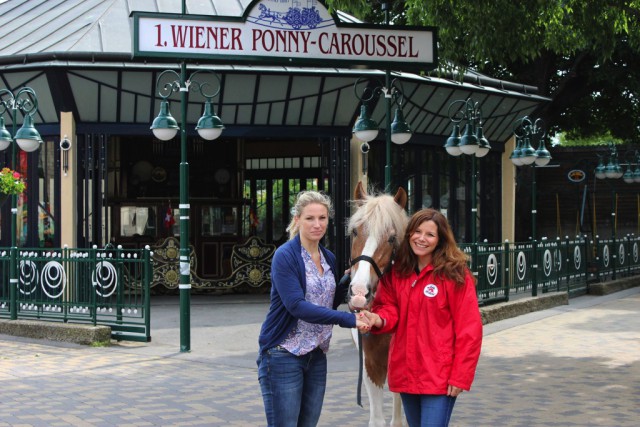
x=293, y=228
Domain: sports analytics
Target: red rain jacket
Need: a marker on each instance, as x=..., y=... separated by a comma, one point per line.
x=438, y=331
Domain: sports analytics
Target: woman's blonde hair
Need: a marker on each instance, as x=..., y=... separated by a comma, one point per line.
x=304, y=199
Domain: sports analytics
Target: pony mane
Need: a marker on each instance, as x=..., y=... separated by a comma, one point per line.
x=379, y=213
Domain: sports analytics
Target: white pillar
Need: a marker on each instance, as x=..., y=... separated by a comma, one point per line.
x=508, y=192
x=68, y=193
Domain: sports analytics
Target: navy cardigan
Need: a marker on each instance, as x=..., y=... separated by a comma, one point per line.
x=288, y=304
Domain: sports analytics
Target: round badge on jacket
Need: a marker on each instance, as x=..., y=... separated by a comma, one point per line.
x=430, y=290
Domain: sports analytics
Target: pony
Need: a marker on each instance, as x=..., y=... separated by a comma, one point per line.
x=376, y=227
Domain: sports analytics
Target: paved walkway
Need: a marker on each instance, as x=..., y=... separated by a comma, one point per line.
x=575, y=365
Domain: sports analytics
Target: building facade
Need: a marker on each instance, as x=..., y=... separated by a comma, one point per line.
x=100, y=177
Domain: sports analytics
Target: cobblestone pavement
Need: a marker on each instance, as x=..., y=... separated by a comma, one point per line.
x=575, y=365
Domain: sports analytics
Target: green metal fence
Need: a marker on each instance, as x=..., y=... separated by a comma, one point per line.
x=529, y=268
x=107, y=286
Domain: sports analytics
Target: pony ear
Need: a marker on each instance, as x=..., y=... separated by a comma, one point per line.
x=359, y=194
x=401, y=197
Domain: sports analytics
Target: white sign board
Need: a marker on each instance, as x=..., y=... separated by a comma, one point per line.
x=283, y=32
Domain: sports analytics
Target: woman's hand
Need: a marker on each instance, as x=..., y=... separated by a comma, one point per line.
x=453, y=391
x=362, y=323
x=374, y=320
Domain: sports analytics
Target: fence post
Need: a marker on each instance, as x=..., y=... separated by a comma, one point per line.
x=94, y=277
x=534, y=267
x=507, y=270
x=13, y=283
x=146, y=283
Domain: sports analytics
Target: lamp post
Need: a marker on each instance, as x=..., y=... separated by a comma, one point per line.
x=28, y=139
x=527, y=131
x=165, y=127
x=366, y=128
x=472, y=143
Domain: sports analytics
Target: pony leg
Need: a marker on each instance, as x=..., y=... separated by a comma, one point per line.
x=376, y=400
x=397, y=416
x=374, y=393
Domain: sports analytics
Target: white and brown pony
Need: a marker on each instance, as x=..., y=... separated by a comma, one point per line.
x=376, y=227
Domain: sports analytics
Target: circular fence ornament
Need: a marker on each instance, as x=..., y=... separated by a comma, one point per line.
x=577, y=257
x=605, y=255
x=28, y=281
x=53, y=279
x=621, y=254
x=492, y=269
x=635, y=252
x=521, y=265
x=105, y=279
x=547, y=263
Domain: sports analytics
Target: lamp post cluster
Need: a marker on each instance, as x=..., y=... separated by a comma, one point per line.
x=472, y=143
x=613, y=168
x=28, y=139
x=366, y=129
x=528, y=132
x=165, y=127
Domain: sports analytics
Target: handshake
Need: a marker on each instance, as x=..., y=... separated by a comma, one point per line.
x=365, y=320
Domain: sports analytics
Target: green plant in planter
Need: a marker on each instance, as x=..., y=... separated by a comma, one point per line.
x=11, y=182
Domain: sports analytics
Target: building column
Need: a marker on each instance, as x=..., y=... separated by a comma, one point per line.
x=357, y=164
x=508, y=192
x=68, y=179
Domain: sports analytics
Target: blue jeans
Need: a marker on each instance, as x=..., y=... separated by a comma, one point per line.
x=422, y=410
x=292, y=386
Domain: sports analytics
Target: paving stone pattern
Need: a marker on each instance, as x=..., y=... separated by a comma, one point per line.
x=575, y=365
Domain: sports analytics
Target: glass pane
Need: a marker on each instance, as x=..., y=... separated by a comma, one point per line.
x=261, y=208
x=410, y=191
x=278, y=230
x=139, y=221
x=427, y=192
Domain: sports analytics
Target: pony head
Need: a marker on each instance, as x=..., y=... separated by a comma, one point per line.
x=377, y=228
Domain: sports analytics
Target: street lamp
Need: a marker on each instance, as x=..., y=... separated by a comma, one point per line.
x=526, y=131
x=366, y=129
x=472, y=143
x=165, y=127
x=28, y=139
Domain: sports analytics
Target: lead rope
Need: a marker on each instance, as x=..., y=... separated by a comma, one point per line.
x=360, y=370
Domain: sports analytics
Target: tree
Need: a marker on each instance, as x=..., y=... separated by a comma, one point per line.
x=584, y=55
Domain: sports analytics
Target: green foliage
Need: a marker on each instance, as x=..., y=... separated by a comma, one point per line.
x=566, y=140
x=583, y=55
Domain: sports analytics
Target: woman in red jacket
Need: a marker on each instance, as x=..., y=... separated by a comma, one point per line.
x=428, y=301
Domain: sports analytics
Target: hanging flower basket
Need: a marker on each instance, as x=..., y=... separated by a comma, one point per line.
x=11, y=182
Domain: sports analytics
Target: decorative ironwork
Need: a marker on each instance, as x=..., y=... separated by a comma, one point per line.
x=250, y=264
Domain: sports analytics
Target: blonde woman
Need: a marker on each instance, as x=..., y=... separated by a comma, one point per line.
x=294, y=339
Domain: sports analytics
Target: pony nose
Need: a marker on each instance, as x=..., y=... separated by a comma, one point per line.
x=359, y=295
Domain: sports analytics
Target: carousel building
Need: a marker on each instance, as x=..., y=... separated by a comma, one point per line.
x=101, y=177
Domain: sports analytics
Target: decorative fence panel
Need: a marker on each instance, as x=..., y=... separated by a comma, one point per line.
x=94, y=286
x=504, y=270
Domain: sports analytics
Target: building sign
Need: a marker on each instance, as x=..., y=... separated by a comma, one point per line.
x=576, y=175
x=284, y=32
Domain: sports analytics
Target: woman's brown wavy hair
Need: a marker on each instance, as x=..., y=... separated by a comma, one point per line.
x=448, y=261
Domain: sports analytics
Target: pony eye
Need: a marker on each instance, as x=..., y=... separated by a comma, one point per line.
x=355, y=233
x=392, y=239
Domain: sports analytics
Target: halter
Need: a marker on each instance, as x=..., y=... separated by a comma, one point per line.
x=370, y=260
